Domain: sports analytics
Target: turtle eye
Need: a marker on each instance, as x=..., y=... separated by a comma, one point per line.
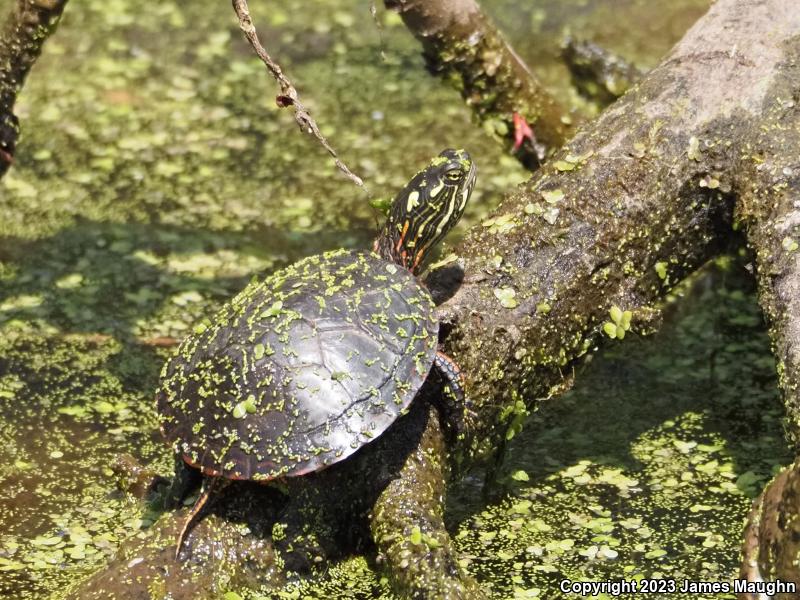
x=453, y=175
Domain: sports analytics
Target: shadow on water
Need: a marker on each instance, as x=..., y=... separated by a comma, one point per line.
x=112, y=278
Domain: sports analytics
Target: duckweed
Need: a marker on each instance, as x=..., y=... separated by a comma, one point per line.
x=153, y=182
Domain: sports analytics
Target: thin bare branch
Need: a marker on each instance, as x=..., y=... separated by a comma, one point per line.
x=288, y=95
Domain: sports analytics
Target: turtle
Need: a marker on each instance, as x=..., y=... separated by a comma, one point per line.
x=302, y=369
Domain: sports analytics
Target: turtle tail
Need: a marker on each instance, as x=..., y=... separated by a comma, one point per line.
x=211, y=485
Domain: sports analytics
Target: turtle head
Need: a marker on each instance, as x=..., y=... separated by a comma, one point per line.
x=426, y=209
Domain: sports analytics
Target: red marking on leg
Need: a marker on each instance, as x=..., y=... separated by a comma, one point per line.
x=418, y=259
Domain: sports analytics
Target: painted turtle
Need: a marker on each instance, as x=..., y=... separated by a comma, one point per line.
x=302, y=369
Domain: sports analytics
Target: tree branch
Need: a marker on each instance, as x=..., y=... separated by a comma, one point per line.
x=772, y=534
x=288, y=95
x=28, y=26
x=598, y=73
x=769, y=209
x=637, y=200
x=461, y=44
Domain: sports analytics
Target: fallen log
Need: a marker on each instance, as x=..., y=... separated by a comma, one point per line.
x=637, y=200
x=768, y=208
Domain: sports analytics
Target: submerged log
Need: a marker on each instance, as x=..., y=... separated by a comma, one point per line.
x=599, y=74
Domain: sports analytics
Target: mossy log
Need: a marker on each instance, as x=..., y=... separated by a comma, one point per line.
x=462, y=45
x=144, y=567
x=637, y=200
x=26, y=29
x=769, y=209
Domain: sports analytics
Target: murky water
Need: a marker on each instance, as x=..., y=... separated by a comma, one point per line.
x=156, y=177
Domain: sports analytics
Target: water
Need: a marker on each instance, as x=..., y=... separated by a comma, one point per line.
x=156, y=177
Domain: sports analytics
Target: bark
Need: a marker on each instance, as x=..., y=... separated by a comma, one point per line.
x=769, y=210
x=598, y=73
x=637, y=200
x=222, y=558
x=772, y=535
x=407, y=505
x=461, y=44
x=29, y=24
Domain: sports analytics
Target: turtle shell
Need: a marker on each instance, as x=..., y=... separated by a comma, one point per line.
x=300, y=370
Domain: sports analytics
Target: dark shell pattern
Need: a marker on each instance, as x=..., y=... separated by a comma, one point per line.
x=300, y=370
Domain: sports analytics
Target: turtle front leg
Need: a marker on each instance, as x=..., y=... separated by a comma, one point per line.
x=453, y=403
x=407, y=526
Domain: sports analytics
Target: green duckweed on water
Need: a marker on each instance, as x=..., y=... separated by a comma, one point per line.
x=648, y=467
x=155, y=178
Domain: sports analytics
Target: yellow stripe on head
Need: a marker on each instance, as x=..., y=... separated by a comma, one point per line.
x=413, y=201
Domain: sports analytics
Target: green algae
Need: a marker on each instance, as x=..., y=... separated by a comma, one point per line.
x=648, y=467
x=620, y=323
x=155, y=178
x=70, y=415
